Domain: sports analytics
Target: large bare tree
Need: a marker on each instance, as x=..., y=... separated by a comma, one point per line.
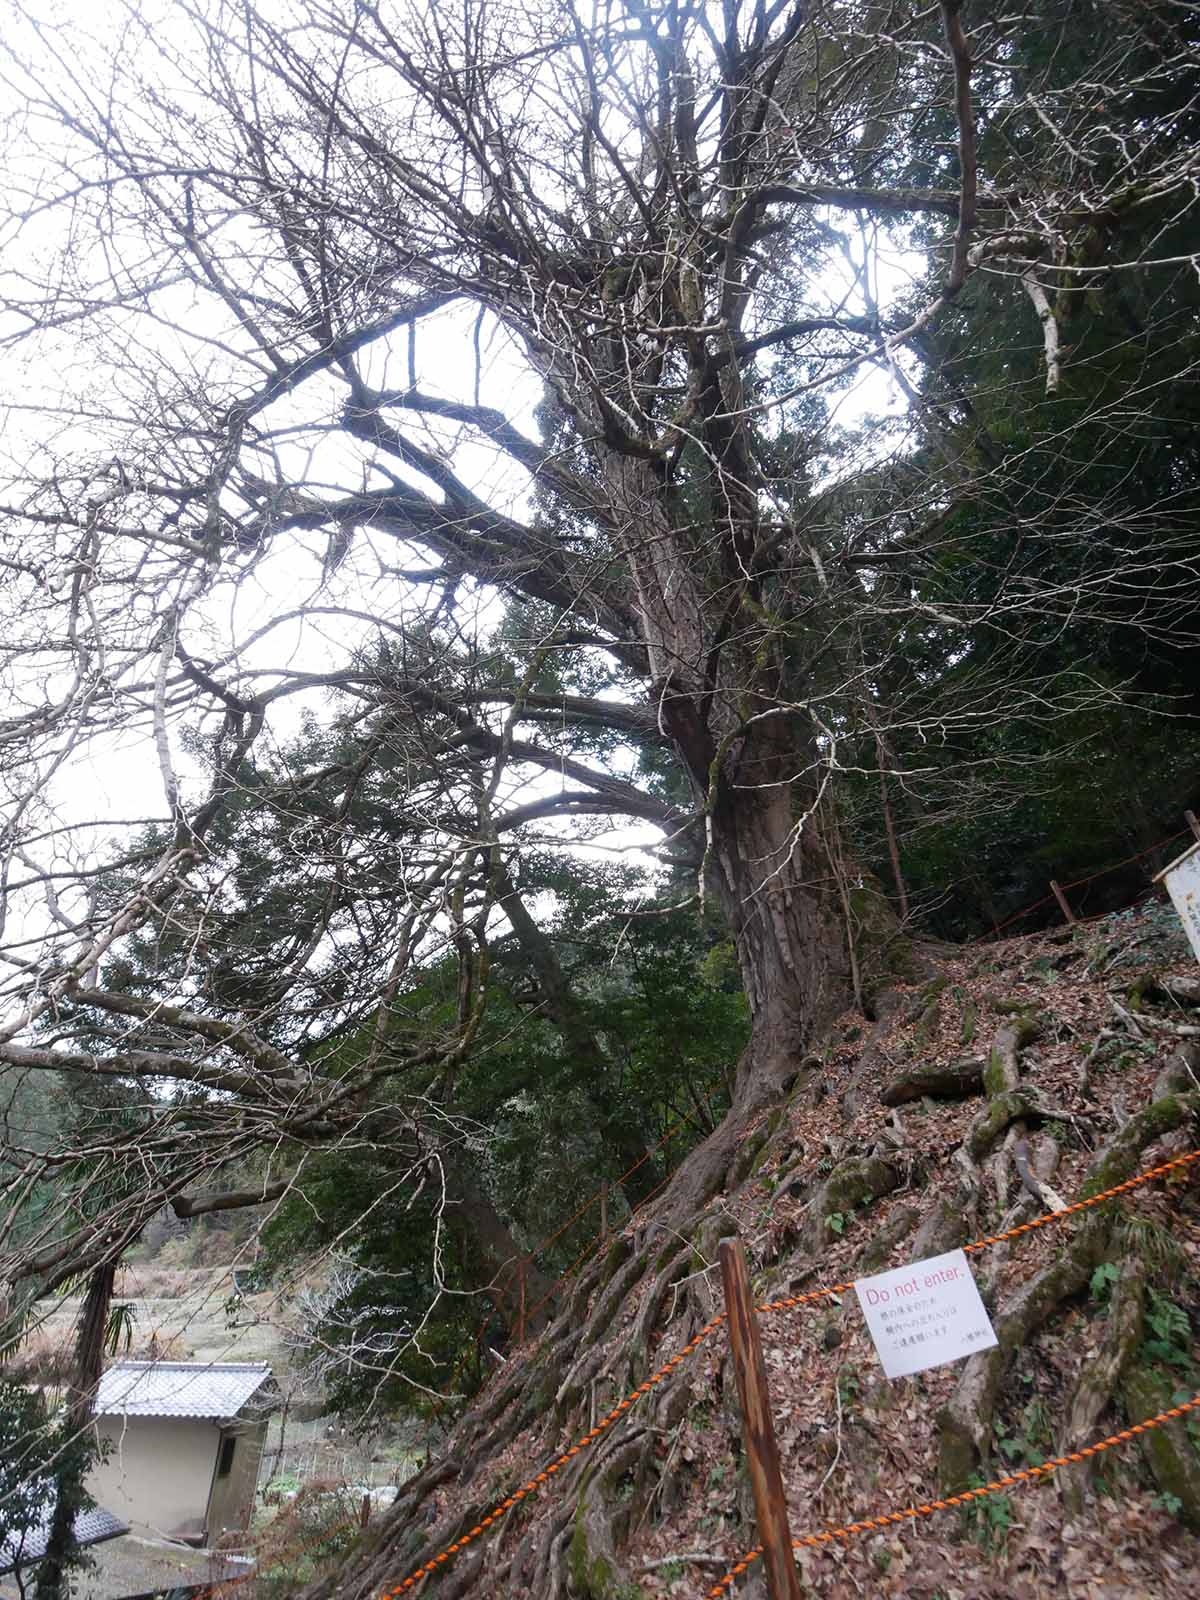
x=341, y=330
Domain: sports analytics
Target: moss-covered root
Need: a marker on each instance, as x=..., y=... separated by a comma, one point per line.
x=1101, y=1378
x=601, y=1524
x=851, y=1184
x=1002, y=1075
x=1122, y=1155
x=1154, y=986
x=876, y=1253
x=634, y=1363
x=1001, y=1079
x=1001, y=1111
x=949, y=1081
x=965, y=1423
x=1169, y=1452
x=943, y=1227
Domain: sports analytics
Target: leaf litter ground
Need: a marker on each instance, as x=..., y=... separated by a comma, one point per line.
x=852, y=1443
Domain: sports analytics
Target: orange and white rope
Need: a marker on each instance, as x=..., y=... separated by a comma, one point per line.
x=889, y=1519
x=533, y=1484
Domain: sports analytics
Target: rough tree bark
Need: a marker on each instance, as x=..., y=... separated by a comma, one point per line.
x=70, y=1496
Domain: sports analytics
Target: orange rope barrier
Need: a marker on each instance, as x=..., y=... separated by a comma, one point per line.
x=1009, y=1233
x=589, y=1203
x=561, y=1460
x=532, y=1485
x=438, y=1404
x=1137, y=856
x=579, y=1259
x=911, y=1513
x=1047, y=899
x=598, y=1238
x=472, y=1350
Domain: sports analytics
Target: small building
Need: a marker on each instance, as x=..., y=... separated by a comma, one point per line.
x=182, y=1442
x=22, y=1549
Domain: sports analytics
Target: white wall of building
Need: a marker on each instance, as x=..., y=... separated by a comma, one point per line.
x=158, y=1473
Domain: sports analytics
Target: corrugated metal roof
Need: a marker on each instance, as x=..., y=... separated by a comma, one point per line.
x=91, y=1527
x=179, y=1388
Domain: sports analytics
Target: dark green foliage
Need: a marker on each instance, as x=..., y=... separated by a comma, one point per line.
x=397, y=1317
x=39, y=1459
x=1062, y=528
x=408, y=1309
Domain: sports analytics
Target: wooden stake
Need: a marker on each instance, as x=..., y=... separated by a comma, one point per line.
x=521, y=1300
x=364, y=1516
x=1190, y=818
x=604, y=1211
x=1062, y=902
x=758, y=1430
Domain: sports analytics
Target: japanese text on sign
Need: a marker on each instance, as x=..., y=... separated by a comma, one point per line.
x=925, y=1314
x=1182, y=879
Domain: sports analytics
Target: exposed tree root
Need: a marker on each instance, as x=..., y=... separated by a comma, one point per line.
x=877, y=1251
x=943, y=1227
x=1168, y=1450
x=1180, y=1073
x=852, y=1183
x=1007, y=1103
x=1182, y=991
x=1101, y=1378
x=602, y=1519
x=1003, y=1071
x=1035, y=1176
x=573, y=1549
x=965, y=1422
x=952, y=1080
x=1045, y=1158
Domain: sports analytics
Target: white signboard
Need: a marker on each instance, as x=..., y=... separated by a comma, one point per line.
x=925, y=1314
x=1182, y=879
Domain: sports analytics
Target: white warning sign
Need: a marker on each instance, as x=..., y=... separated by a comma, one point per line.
x=1182, y=879
x=925, y=1315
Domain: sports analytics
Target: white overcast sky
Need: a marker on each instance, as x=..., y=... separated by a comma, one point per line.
x=112, y=779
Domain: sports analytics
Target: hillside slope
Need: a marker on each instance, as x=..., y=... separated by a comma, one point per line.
x=1028, y=1073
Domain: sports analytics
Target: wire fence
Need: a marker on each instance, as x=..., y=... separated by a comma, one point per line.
x=473, y=1351
x=535, y=1482
x=1059, y=889
x=596, y=1199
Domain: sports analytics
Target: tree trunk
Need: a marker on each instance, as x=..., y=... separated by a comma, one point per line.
x=471, y=1212
x=782, y=907
x=70, y=1495
x=778, y=884
x=776, y=877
